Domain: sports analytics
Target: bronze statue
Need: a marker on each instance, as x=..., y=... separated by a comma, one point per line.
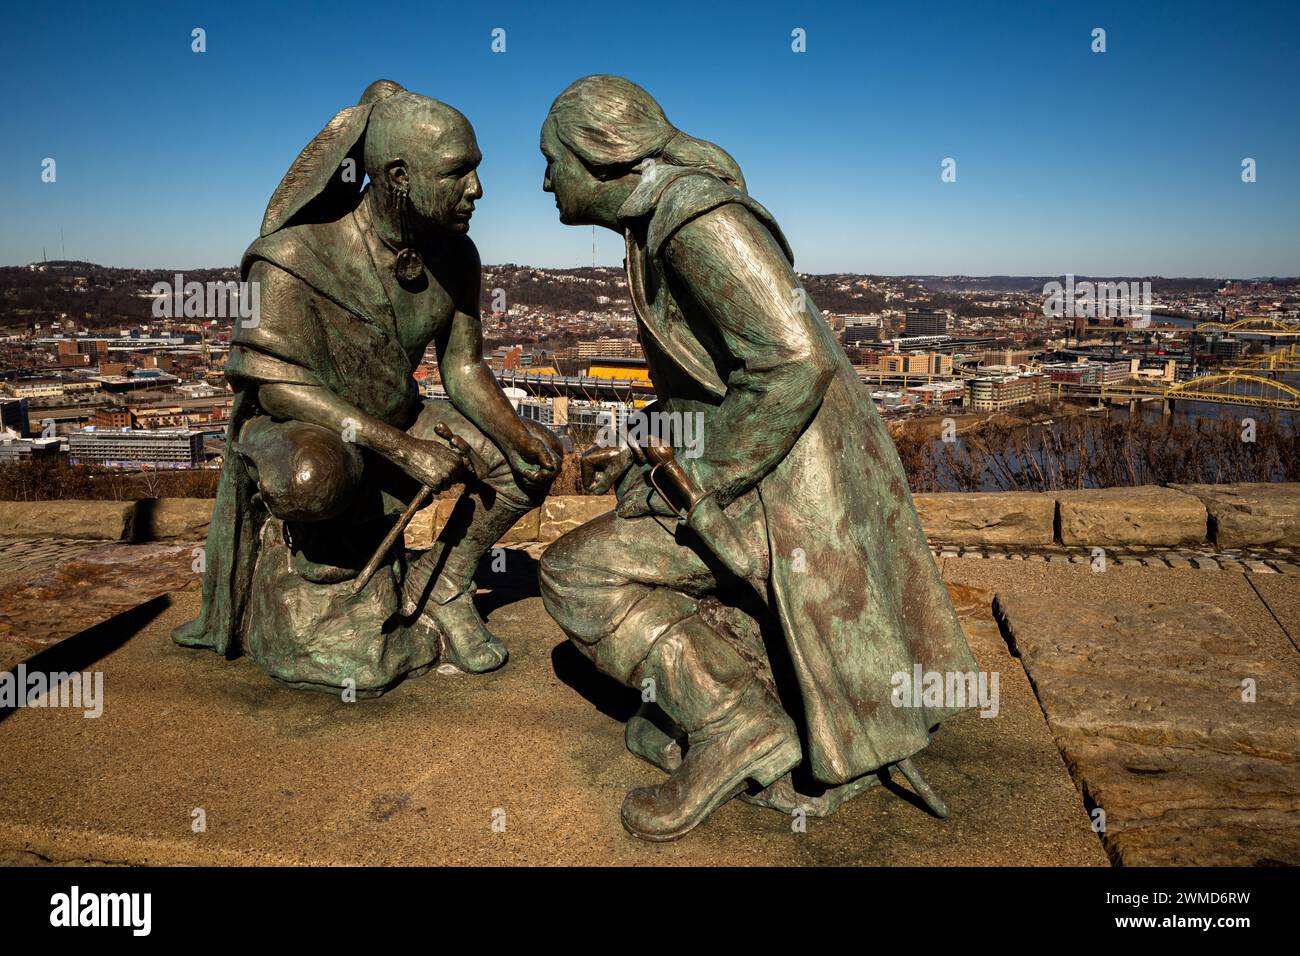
x=329, y=438
x=761, y=595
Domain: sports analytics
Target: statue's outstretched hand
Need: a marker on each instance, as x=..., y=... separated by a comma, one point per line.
x=536, y=459
x=603, y=467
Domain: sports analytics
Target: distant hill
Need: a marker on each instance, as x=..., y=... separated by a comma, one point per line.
x=93, y=296
x=1035, y=283
x=96, y=296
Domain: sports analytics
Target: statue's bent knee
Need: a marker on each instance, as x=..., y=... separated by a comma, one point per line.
x=613, y=622
x=303, y=472
x=570, y=588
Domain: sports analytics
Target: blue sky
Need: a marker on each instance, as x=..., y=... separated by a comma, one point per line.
x=1126, y=162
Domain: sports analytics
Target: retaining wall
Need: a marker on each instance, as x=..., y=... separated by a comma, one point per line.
x=1226, y=516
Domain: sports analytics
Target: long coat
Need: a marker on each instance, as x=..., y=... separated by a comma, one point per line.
x=853, y=582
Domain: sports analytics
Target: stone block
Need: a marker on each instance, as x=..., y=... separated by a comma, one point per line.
x=1124, y=517
x=562, y=514
x=173, y=519
x=87, y=520
x=987, y=518
x=428, y=521
x=526, y=529
x=1251, y=515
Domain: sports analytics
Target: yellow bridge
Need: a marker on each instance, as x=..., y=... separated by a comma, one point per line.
x=880, y=379
x=1250, y=382
x=1230, y=387
x=1253, y=325
x=1279, y=361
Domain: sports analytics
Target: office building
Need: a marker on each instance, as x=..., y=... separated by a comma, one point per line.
x=916, y=363
x=925, y=322
x=127, y=448
x=996, y=392
x=13, y=415
x=14, y=449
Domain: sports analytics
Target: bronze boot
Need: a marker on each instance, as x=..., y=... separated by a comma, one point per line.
x=439, y=585
x=736, y=731
x=448, y=609
x=467, y=643
x=646, y=738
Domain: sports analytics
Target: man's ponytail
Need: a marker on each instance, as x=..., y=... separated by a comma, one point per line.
x=612, y=124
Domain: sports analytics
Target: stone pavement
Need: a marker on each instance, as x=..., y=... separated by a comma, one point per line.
x=1174, y=696
x=21, y=557
x=1127, y=698
x=52, y=589
x=420, y=775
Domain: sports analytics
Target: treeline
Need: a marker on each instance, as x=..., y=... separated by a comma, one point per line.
x=555, y=290
x=827, y=295
x=109, y=297
x=112, y=296
x=1092, y=452
x=1080, y=452
x=53, y=479
x=1159, y=284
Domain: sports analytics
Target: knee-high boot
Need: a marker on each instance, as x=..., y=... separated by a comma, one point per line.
x=472, y=529
x=736, y=731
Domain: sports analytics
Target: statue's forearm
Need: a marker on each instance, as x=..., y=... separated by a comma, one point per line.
x=320, y=406
x=472, y=387
x=474, y=392
x=783, y=359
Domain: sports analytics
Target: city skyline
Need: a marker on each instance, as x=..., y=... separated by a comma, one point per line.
x=904, y=473
x=1119, y=163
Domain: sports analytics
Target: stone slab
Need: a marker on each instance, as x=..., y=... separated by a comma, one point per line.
x=1281, y=595
x=1252, y=515
x=91, y=520
x=527, y=528
x=1123, y=517
x=93, y=586
x=21, y=558
x=428, y=523
x=1072, y=585
x=415, y=777
x=1139, y=672
x=1189, y=806
x=561, y=515
x=172, y=519
x=987, y=518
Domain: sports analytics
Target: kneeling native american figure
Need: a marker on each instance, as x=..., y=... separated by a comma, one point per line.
x=329, y=439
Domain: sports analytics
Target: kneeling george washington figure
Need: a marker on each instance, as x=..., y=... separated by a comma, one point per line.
x=763, y=594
